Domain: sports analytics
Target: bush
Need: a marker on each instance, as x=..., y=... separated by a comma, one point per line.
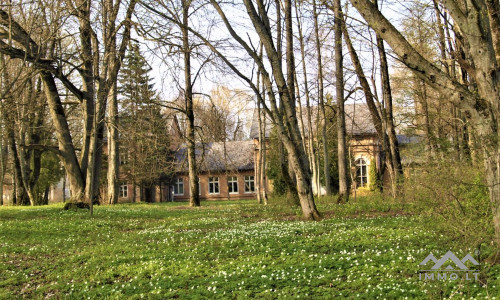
x=455, y=195
x=375, y=182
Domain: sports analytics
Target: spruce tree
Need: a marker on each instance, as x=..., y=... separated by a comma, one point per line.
x=143, y=135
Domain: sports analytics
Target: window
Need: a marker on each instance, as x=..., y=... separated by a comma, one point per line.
x=123, y=158
x=361, y=172
x=232, y=184
x=249, y=184
x=213, y=185
x=123, y=192
x=179, y=186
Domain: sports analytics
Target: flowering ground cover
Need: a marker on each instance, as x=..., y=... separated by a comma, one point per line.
x=234, y=250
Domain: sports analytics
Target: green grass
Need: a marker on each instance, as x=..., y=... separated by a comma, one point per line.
x=232, y=249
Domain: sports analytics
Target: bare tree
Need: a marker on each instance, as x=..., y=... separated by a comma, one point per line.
x=98, y=74
x=482, y=64
x=344, y=188
x=326, y=159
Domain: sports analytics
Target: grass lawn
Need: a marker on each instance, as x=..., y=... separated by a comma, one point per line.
x=232, y=250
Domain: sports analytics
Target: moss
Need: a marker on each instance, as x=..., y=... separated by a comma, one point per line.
x=374, y=177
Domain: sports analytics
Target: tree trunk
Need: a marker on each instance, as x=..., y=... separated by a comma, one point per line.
x=296, y=155
x=263, y=177
x=87, y=57
x=326, y=158
x=194, y=196
x=339, y=88
x=396, y=166
x=310, y=136
x=66, y=149
x=426, y=123
x=373, y=107
x=2, y=159
x=21, y=194
x=113, y=148
x=45, y=198
x=491, y=163
x=285, y=119
x=482, y=106
x=258, y=165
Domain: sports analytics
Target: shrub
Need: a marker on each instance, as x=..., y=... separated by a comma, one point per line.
x=375, y=182
x=455, y=195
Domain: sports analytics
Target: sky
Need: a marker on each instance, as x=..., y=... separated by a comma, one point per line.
x=169, y=76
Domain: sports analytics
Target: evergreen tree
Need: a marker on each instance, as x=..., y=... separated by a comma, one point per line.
x=144, y=157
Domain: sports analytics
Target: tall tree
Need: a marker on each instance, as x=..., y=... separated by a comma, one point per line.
x=310, y=132
x=396, y=170
x=321, y=94
x=43, y=50
x=144, y=154
x=194, y=195
x=481, y=62
x=344, y=188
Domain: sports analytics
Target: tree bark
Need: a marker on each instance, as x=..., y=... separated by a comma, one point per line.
x=2, y=157
x=483, y=106
x=310, y=136
x=66, y=149
x=263, y=177
x=288, y=128
x=339, y=88
x=21, y=195
x=113, y=148
x=88, y=88
x=370, y=100
x=194, y=197
x=397, y=169
x=326, y=157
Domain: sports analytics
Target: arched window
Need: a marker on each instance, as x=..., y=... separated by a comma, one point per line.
x=361, y=172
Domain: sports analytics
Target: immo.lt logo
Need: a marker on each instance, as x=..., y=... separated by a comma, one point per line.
x=455, y=269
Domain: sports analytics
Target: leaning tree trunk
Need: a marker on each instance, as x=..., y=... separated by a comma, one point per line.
x=482, y=105
x=286, y=119
x=66, y=149
x=296, y=154
x=370, y=102
x=395, y=157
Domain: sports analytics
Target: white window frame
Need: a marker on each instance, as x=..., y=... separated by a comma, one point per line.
x=362, y=168
x=232, y=181
x=213, y=183
x=249, y=182
x=123, y=191
x=179, y=183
